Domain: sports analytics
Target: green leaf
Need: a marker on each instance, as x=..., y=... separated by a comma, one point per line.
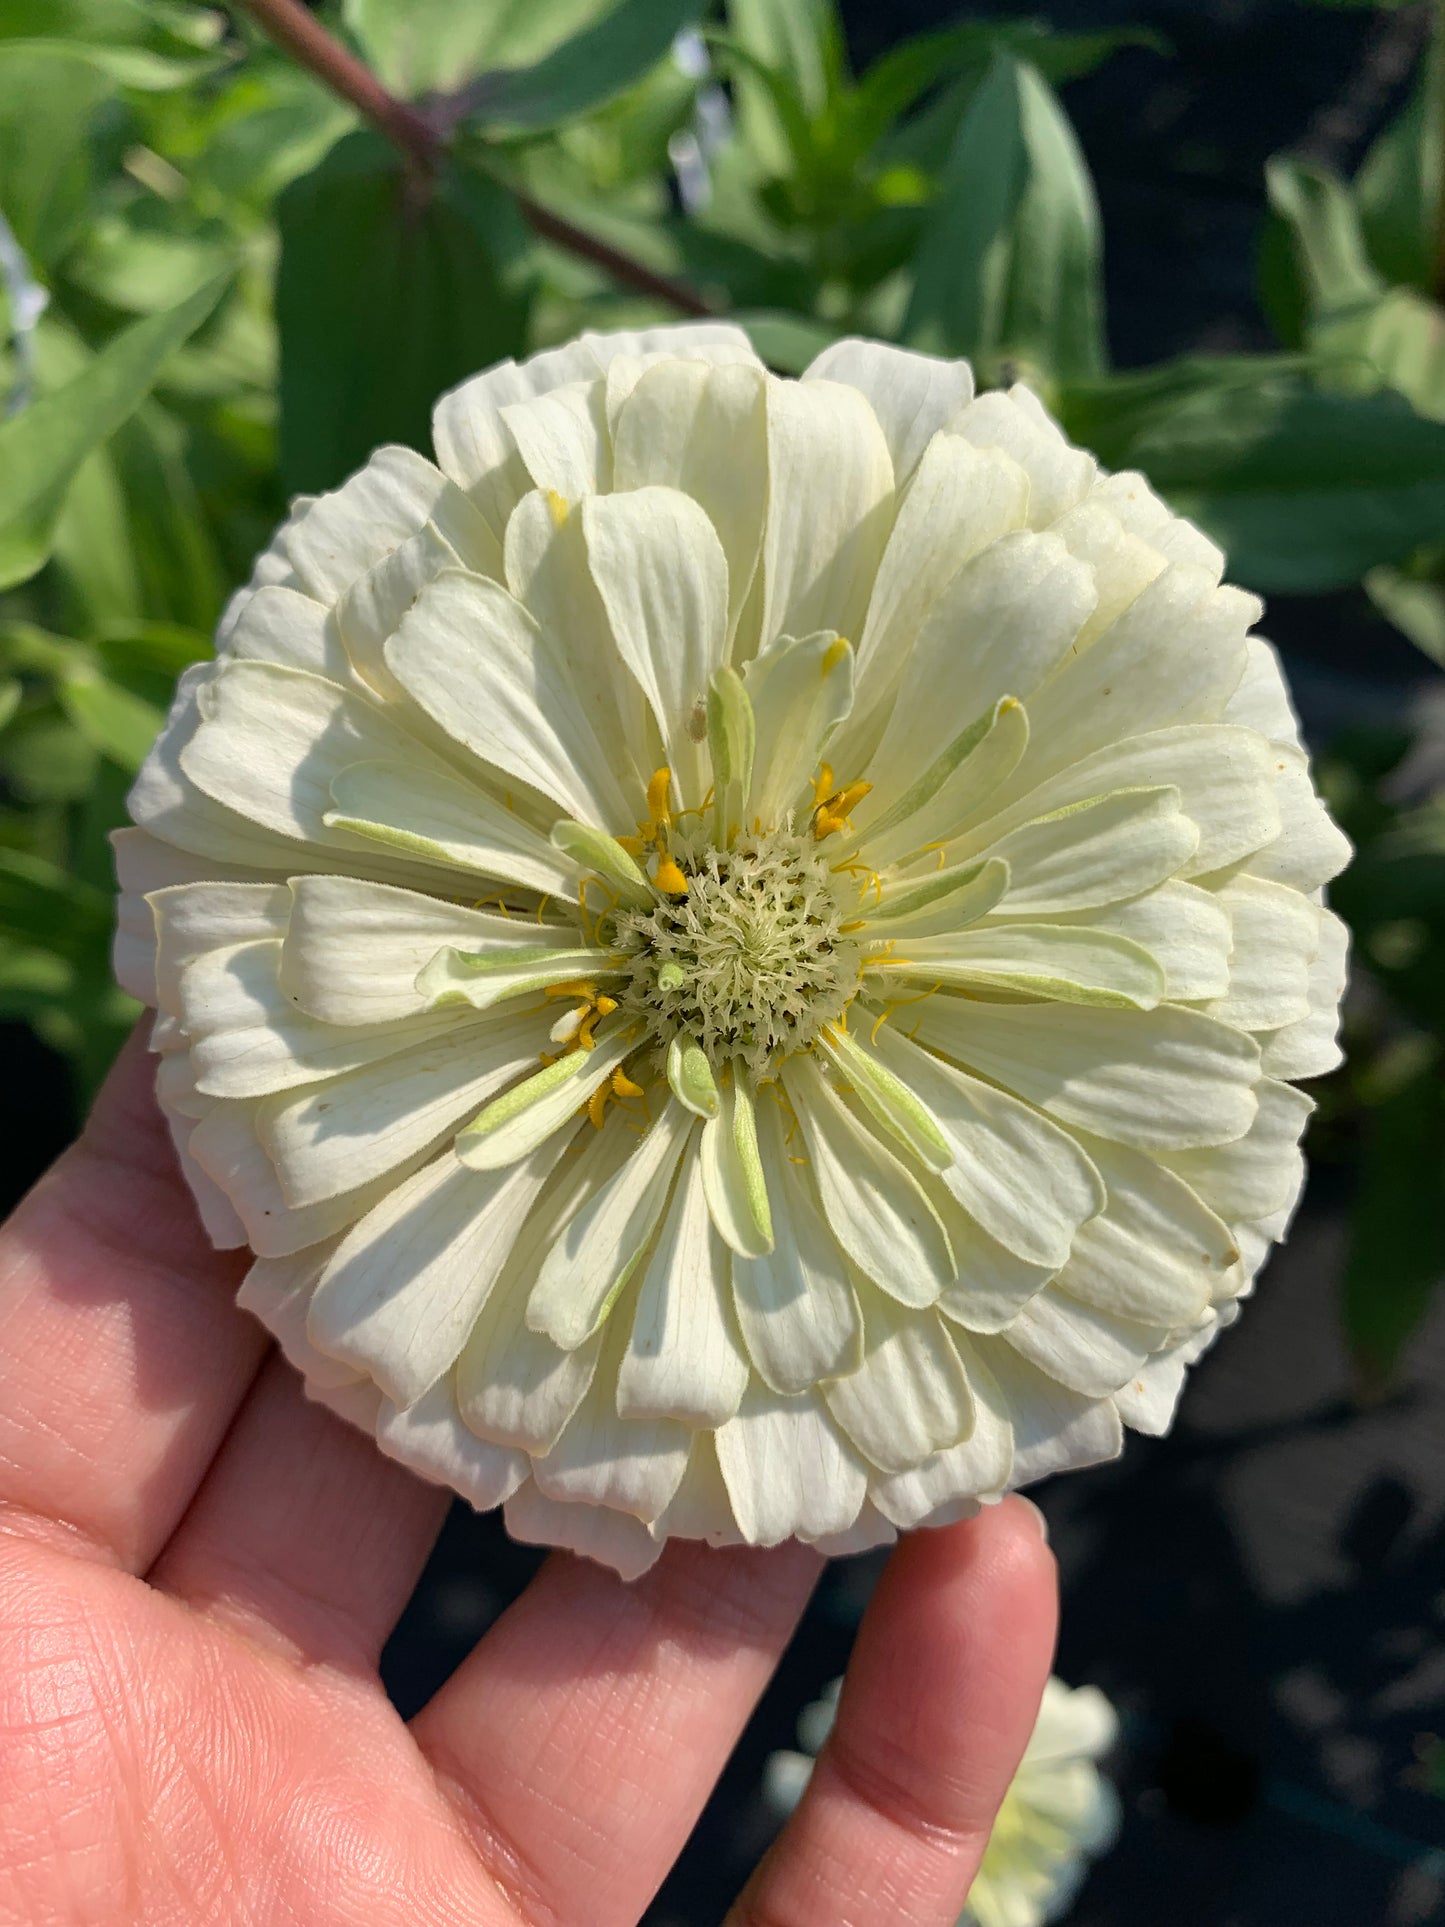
x=437, y=46
x=47, y=100
x=1320, y=212
x=387, y=293
x=42, y=448
x=1397, y=188
x=112, y=720
x=786, y=342
x=1416, y=608
x=798, y=43
x=1397, y=1244
x=1008, y=269
x=585, y=72
x=1304, y=486
x=41, y=903
x=145, y=44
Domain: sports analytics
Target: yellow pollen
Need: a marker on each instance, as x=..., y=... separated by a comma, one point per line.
x=634, y=845
x=833, y=812
x=669, y=878
x=557, y=507
x=834, y=654
x=604, y=1005
x=576, y=988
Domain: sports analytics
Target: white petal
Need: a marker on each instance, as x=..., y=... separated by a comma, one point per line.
x=356, y=1403
x=514, y=1124
x=1162, y=1080
x=248, y=1038
x=1122, y=565
x=1020, y=604
x=1276, y=936
x=563, y=439
x=612, y=1539
x=282, y=626
x=684, y=1359
x=663, y=579
x=632, y=1464
x=279, y=1291
x=431, y=1439
x=874, y=1208
x=480, y=667
x=1156, y=1253
x=890, y=1099
x=1055, y=1430
x=1262, y=700
x=431, y=814
x=982, y=1463
x=908, y=908
x=1309, y=1048
x=404, y=1286
x=1148, y=1402
x=1098, y=852
x=337, y=1136
x=912, y=395
x=1257, y=1173
x=1058, y=475
x=830, y=496
x=789, y=1471
x=192, y=918
x=1090, y=1351
x=704, y=430
x=372, y=608
x=353, y=949
x=272, y=566
x=343, y=534
x=867, y=1532
x=1310, y=849
x=959, y=784
x=1184, y=929
x=961, y=500
x=801, y=687
x=700, y=1508
x=592, y=1259
x=1026, y=1181
x=796, y=1306
x=1130, y=497
x=910, y=1397
x=1068, y=962
x=993, y=1283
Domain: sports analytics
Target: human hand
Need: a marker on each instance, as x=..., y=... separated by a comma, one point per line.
x=198, y=1570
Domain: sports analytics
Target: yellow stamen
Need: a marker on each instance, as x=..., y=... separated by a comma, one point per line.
x=634, y=845
x=659, y=791
x=623, y=1086
x=557, y=507
x=834, y=654
x=597, y=1104
x=823, y=782
x=584, y=1039
x=669, y=878
x=605, y=1005
x=576, y=988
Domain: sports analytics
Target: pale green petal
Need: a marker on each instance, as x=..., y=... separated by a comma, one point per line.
x=663, y=579
x=690, y=1077
x=957, y=785
x=1184, y=929
x=592, y=1259
x=1066, y=962
x=514, y=1124
x=789, y=1471
x=891, y=1099
x=830, y=504
x=906, y=909
x=1161, y=1080
x=732, y=1172
x=910, y=1396
x=801, y=688
x=875, y=1208
x=684, y=1359
x=1026, y=1181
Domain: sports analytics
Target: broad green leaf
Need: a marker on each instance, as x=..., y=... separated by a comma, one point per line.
x=41, y=903
x=585, y=72
x=786, y=342
x=1319, y=210
x=42, y=448
x=387, y=294
x=112, y=720
x=48, y=97
x=1008, y=269
x=144, y=44
x=798, y=42
x=1397, y=1242
x=1304, y=486
x=437, y=46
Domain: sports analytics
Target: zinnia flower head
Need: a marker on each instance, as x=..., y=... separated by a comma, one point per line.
x=1059, y=1813
x=735, y=948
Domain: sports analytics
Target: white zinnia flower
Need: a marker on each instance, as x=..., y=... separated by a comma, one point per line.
x=1058, y=1814
x=734, y=949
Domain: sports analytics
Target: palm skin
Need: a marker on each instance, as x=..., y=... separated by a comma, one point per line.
x=198, y=1571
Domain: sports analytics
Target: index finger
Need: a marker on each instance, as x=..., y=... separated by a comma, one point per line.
x=941, y=1696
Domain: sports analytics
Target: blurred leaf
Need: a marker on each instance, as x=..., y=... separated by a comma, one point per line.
x=40, y=903
x=41, y=448
x=112, y=720
x=1397, y=188
x=786, y=342
x=43, y=758
x=140, y=45
x=585, y=72
x=1397, y=1247
x=10, y=694
x=1008, y=268
x=1417, y=609
x=797, y=43
x=143, y=259
x=47, y=99
x=1321, y=215
x=437, y=46
x=387, y=293
x=150, y=649
x=1305, y=487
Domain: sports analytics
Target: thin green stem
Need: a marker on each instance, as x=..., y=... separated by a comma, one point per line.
x=1435, y=68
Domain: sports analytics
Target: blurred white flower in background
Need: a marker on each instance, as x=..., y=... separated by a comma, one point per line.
x=736, y=948
x=1059, y=1813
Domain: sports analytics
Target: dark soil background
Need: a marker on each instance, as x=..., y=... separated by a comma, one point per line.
x=1262, y=1594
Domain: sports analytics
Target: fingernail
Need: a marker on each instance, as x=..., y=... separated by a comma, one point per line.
x=1040, y=1520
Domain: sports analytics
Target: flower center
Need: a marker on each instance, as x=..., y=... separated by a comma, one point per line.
x=752, y=962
